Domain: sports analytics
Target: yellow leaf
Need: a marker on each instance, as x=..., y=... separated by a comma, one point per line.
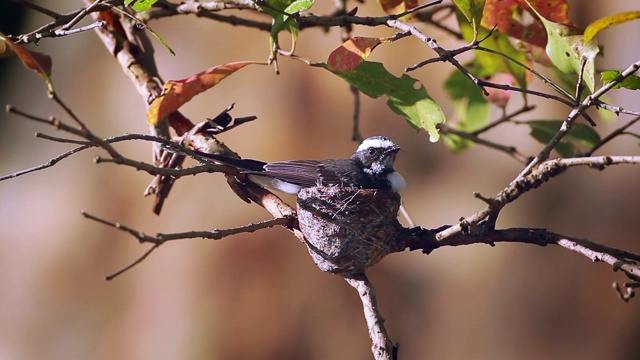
x=601, y=24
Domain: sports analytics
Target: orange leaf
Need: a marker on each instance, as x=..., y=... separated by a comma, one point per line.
x=554, y=10
x=179, y=92
x=397, y=6
x=352, y=53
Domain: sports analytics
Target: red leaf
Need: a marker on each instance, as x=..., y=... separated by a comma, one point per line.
x=179, y=123
x=179, y=92
x=503, y=14
x=500, y=97
x=554, y=10
x=32, y=59
x=352, y=53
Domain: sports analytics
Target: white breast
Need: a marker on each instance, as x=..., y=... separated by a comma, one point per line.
x=398, y=184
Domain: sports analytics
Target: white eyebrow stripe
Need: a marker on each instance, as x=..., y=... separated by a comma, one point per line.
x=377, y=142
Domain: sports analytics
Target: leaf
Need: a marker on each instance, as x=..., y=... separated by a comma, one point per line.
x=276, y=4
x=580, y=134
x=162, y=40
x=491, y=64
x=34, y=60
x=631, y=82
x=469, y=105
x=403, y=97
x=500, y=97
x=554, y=10
x=472, y=10
x=508, y=16
x=595, y=27
x=567, y=49
x=282, y=20
x=179, y=92
x=140, y=5
x=5, y=49
x=352, y=53
x=397, y=6
x=285, y=22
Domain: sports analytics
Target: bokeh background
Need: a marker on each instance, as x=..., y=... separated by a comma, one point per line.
x=259, y=295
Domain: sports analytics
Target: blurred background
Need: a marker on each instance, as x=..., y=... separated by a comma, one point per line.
x=259, y=295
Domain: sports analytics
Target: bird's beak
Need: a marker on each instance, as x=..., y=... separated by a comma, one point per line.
x=393, y=150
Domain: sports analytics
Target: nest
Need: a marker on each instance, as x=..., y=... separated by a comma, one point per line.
x=347, y=230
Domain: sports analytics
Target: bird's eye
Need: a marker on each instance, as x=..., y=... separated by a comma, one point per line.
x=371, y=151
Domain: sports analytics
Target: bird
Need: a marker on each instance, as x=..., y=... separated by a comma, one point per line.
x=370, y=167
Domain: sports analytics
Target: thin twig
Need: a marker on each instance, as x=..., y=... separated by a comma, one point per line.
x=83, y=132
x=621, y=130
x=444, y=54
x=537, y=74
x=91, y=26
x=509, y=150
x=69, y=112
x=130, y=266
x=37, y=8
x=62, y=140
x=615, y=109
x=215, y=234
x=48, y=164
x=118, y=159
x=526, y=91
x=504, y=118
x=65, y=20
x=160, y=239
x=579, y=86
x=81, y=15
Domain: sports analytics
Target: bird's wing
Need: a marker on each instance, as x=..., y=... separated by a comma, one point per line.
x=300, y=172
x=332, y=173
x=307, y=173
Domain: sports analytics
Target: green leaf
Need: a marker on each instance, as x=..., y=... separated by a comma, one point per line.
x=285, y=22
x=580, y=134
x=470, y=106
x=567, y=49
x=472, y=10
x=631, y=82
x=595, y=27
x=403, y=97
x=140, y=5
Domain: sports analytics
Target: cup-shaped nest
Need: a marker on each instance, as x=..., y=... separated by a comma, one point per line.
x=347, y=230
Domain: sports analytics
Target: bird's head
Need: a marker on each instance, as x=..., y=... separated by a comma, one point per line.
x=376, y=155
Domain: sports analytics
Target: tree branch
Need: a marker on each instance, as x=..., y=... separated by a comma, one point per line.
x=382, y=347
x=533, y=180
x=160, y=238
x=619, y=260
x=579, y=109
